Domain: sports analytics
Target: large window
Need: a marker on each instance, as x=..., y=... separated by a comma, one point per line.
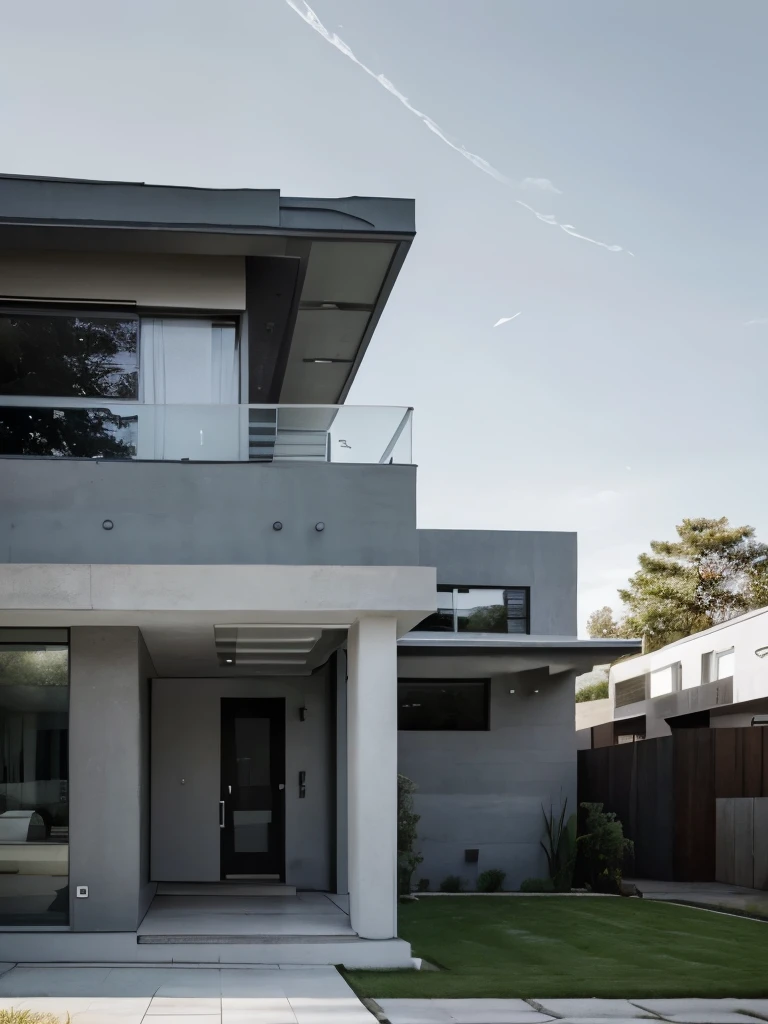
x=69, y=356
x=443, y=704
x=479, y=610
x=88, y=385
x=34, y=774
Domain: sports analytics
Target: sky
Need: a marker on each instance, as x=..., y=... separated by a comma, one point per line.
x=630, y=391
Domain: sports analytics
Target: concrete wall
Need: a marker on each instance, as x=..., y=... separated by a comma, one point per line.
x=107, y=777
x=146, y=279
x=545, y=562
x=186, y=744
x=196, y=513
x=485, y=790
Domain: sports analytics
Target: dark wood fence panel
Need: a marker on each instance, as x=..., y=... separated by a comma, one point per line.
x=635, y=781
x=664, y=791
x=694, y=795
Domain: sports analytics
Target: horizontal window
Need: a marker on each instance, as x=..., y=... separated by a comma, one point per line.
x=449, y=705
x=69, y=356
x=479, y=610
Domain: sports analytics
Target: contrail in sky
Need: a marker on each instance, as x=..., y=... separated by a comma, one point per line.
x=305, y=12
x=506, y=319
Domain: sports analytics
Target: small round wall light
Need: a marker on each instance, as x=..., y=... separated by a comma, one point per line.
x=319, y=527
x=277, y=526
x=107, y=524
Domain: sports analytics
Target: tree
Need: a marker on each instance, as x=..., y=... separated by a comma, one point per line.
x=601, y=623
x=711, y=573
x=592, y=691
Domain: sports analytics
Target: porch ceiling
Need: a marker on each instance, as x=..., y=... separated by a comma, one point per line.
x=179, y=607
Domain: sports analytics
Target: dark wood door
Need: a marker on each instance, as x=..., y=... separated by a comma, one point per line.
x=252, y=808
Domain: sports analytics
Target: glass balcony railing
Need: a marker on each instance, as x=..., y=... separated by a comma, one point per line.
x=95, y=429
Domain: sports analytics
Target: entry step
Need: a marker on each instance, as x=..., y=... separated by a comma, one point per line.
x=241, y=940
x=225, y=889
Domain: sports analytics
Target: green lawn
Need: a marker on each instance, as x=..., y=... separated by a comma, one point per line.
x=570, y=946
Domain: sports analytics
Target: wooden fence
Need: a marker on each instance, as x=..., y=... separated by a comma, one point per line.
x=664, y=791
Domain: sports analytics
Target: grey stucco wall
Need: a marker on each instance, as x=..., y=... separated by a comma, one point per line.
x=106, y=777
x=186, y=743
x=197, y=514
x=485, y=790
x=545, y=562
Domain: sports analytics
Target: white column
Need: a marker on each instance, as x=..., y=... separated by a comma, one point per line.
x=372, y=767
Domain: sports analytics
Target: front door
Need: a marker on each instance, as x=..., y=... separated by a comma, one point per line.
x=252, y=807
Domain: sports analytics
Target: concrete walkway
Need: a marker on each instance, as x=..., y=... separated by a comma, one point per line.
x=183, y=995
x=716, y=895
x=573, y=1011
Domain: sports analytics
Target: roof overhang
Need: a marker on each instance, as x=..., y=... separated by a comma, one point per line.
x=464, y=655
x=332, y=262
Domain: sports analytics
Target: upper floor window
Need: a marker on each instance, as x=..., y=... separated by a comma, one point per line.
x=73, y=356
x=479, y=610
x=118, y=386
x=717, y=665
x=665, y=680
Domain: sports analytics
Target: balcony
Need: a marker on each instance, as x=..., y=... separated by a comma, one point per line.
x=73, y=428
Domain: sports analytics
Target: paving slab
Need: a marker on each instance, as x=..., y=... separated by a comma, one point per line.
x=414, y=1011
x=671, y=1007
x=491, y=1011
x=602, y=1008
x=709, y=1017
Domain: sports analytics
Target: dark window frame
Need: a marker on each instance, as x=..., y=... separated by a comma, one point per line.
x=123, y=310
x=449, y=588
x=485, y=683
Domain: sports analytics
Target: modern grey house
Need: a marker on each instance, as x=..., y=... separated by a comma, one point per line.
x=218, y=618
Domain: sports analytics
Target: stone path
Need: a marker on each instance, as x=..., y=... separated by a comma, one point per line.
x=183, y=995
x=573, y=1011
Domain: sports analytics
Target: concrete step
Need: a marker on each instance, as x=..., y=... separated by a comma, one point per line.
x=239, y=940
x=225, y=889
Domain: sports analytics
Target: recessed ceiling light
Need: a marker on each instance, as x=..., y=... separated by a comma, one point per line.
x=326, y=359
x=229, y=661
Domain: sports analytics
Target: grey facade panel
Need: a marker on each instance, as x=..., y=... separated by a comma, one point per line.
x=485, y=790
x=105, y=777
x=207, y=514
x=51, y=200
x=546, y=562
x=29, y=199
x=146, y=671
x=186, y=743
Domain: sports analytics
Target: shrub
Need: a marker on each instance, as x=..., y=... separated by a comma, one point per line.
x=29, y=1017
x=407, y=819
x=537, y=885
x=592, y=691
x=602, y=848
x=560, y=847
x=452, y=883
x=423, y=885
x=491, y=880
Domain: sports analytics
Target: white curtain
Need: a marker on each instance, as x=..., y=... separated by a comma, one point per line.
x=188, y=362
x=194, y=364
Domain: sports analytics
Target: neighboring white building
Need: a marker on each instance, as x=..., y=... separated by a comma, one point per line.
x=715, y=678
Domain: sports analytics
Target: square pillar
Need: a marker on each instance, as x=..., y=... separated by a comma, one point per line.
x=372, y=776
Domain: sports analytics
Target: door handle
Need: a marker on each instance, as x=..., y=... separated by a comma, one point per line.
x=222, y=813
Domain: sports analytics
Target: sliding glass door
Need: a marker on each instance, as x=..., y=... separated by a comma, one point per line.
x=34, y=777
